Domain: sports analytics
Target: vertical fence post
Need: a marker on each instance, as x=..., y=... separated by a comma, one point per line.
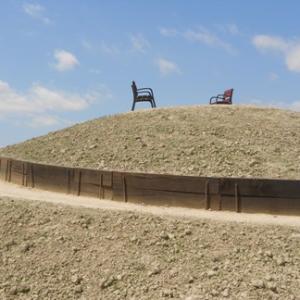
x=112, y=185
x=10, y=167
x=100, y=191
x=23, y=174
x=68, y=181
x=32, y=175
x=26, y=174
x=207, y=197
x=125, y=189
x=237, y=198
x=79, y=184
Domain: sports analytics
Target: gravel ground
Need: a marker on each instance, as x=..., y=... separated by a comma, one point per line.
x=58, y=252
x=234, y=141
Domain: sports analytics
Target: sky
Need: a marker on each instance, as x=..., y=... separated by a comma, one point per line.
x=63, y=62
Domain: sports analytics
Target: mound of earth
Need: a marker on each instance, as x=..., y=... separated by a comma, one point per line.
x=230, y=141
x=58, y=252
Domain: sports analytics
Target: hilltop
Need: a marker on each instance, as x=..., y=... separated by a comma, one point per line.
x=234, y=141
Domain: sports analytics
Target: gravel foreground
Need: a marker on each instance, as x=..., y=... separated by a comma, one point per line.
x=58, y=252
x=229, y=141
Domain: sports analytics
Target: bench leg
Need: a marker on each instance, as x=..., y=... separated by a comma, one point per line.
x=133, y=106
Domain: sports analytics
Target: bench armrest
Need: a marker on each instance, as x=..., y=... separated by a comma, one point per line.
x=146, y=89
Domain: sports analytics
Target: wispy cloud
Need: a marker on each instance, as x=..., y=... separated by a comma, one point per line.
x=44, y=121
x=39, y=103
x=109, y=49
x=267, y=43
x=65, y=61
x=233, y=29
x=273, y=76
x=167, y=67
x=87, y=45
x=289, y=49
x=230, y=28
x=139, y=43
x=36, y=11
x=168, y=32
x=206, y=37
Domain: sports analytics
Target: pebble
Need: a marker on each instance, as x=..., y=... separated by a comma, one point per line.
x=78, y=289
x=225, y=293
x=259, y=284
x=211, y=273
x=76, y=279
x=188, y=232
x=105, y=283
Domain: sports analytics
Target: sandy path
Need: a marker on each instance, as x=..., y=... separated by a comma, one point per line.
x=18, y=192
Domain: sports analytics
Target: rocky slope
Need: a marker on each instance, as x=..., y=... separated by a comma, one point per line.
x=59, y=252
x=200, y=140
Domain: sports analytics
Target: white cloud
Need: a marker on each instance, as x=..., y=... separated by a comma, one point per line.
x=44, y=121
x=266, y=42
x=168, y=32
x=40, y=99
x=36, y=11
x=233, y=29
x=109, y=49
x=293, y=58
x=87, y=45
x=290, y=49
x=204, y=36
x=167, y=67
x=65, y=60
x=273, y=76
x=139, y=43
x=37, y=106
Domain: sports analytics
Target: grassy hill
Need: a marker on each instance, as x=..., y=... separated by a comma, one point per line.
x=197, y=140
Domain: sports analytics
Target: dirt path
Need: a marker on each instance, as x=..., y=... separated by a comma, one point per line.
x=19, y=192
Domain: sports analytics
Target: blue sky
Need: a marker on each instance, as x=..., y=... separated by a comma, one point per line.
x=66, y=61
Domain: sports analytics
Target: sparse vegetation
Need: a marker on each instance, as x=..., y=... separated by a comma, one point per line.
x=235, y=141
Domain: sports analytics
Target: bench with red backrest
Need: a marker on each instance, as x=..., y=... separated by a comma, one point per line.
x=225, y=98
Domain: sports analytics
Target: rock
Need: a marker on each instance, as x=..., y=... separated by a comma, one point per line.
x=191, y=279
x=188, y=232
x=26, y=247
x=78, y=289
x=272, y=286
x=258, y=284
x=211, y=273
x=76, y=279
x=225, y=293
x=167, y=293
x=164, y=235
x=155, y=271
x=280, y=261
x=105, y=283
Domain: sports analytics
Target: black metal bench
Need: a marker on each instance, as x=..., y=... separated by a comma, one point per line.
x=142, y=95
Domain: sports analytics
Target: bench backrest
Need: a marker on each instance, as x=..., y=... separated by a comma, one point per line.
x=228, y=95
x=134, y=89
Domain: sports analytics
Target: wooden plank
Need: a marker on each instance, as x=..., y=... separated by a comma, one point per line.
x=261, y=187
x=171, y=183
x=165, y=198
x=281, y=206
x=49, y=177
x=16, y=172
x=236, y=194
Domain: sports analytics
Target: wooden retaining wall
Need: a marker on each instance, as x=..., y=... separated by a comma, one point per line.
x=232, y=194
